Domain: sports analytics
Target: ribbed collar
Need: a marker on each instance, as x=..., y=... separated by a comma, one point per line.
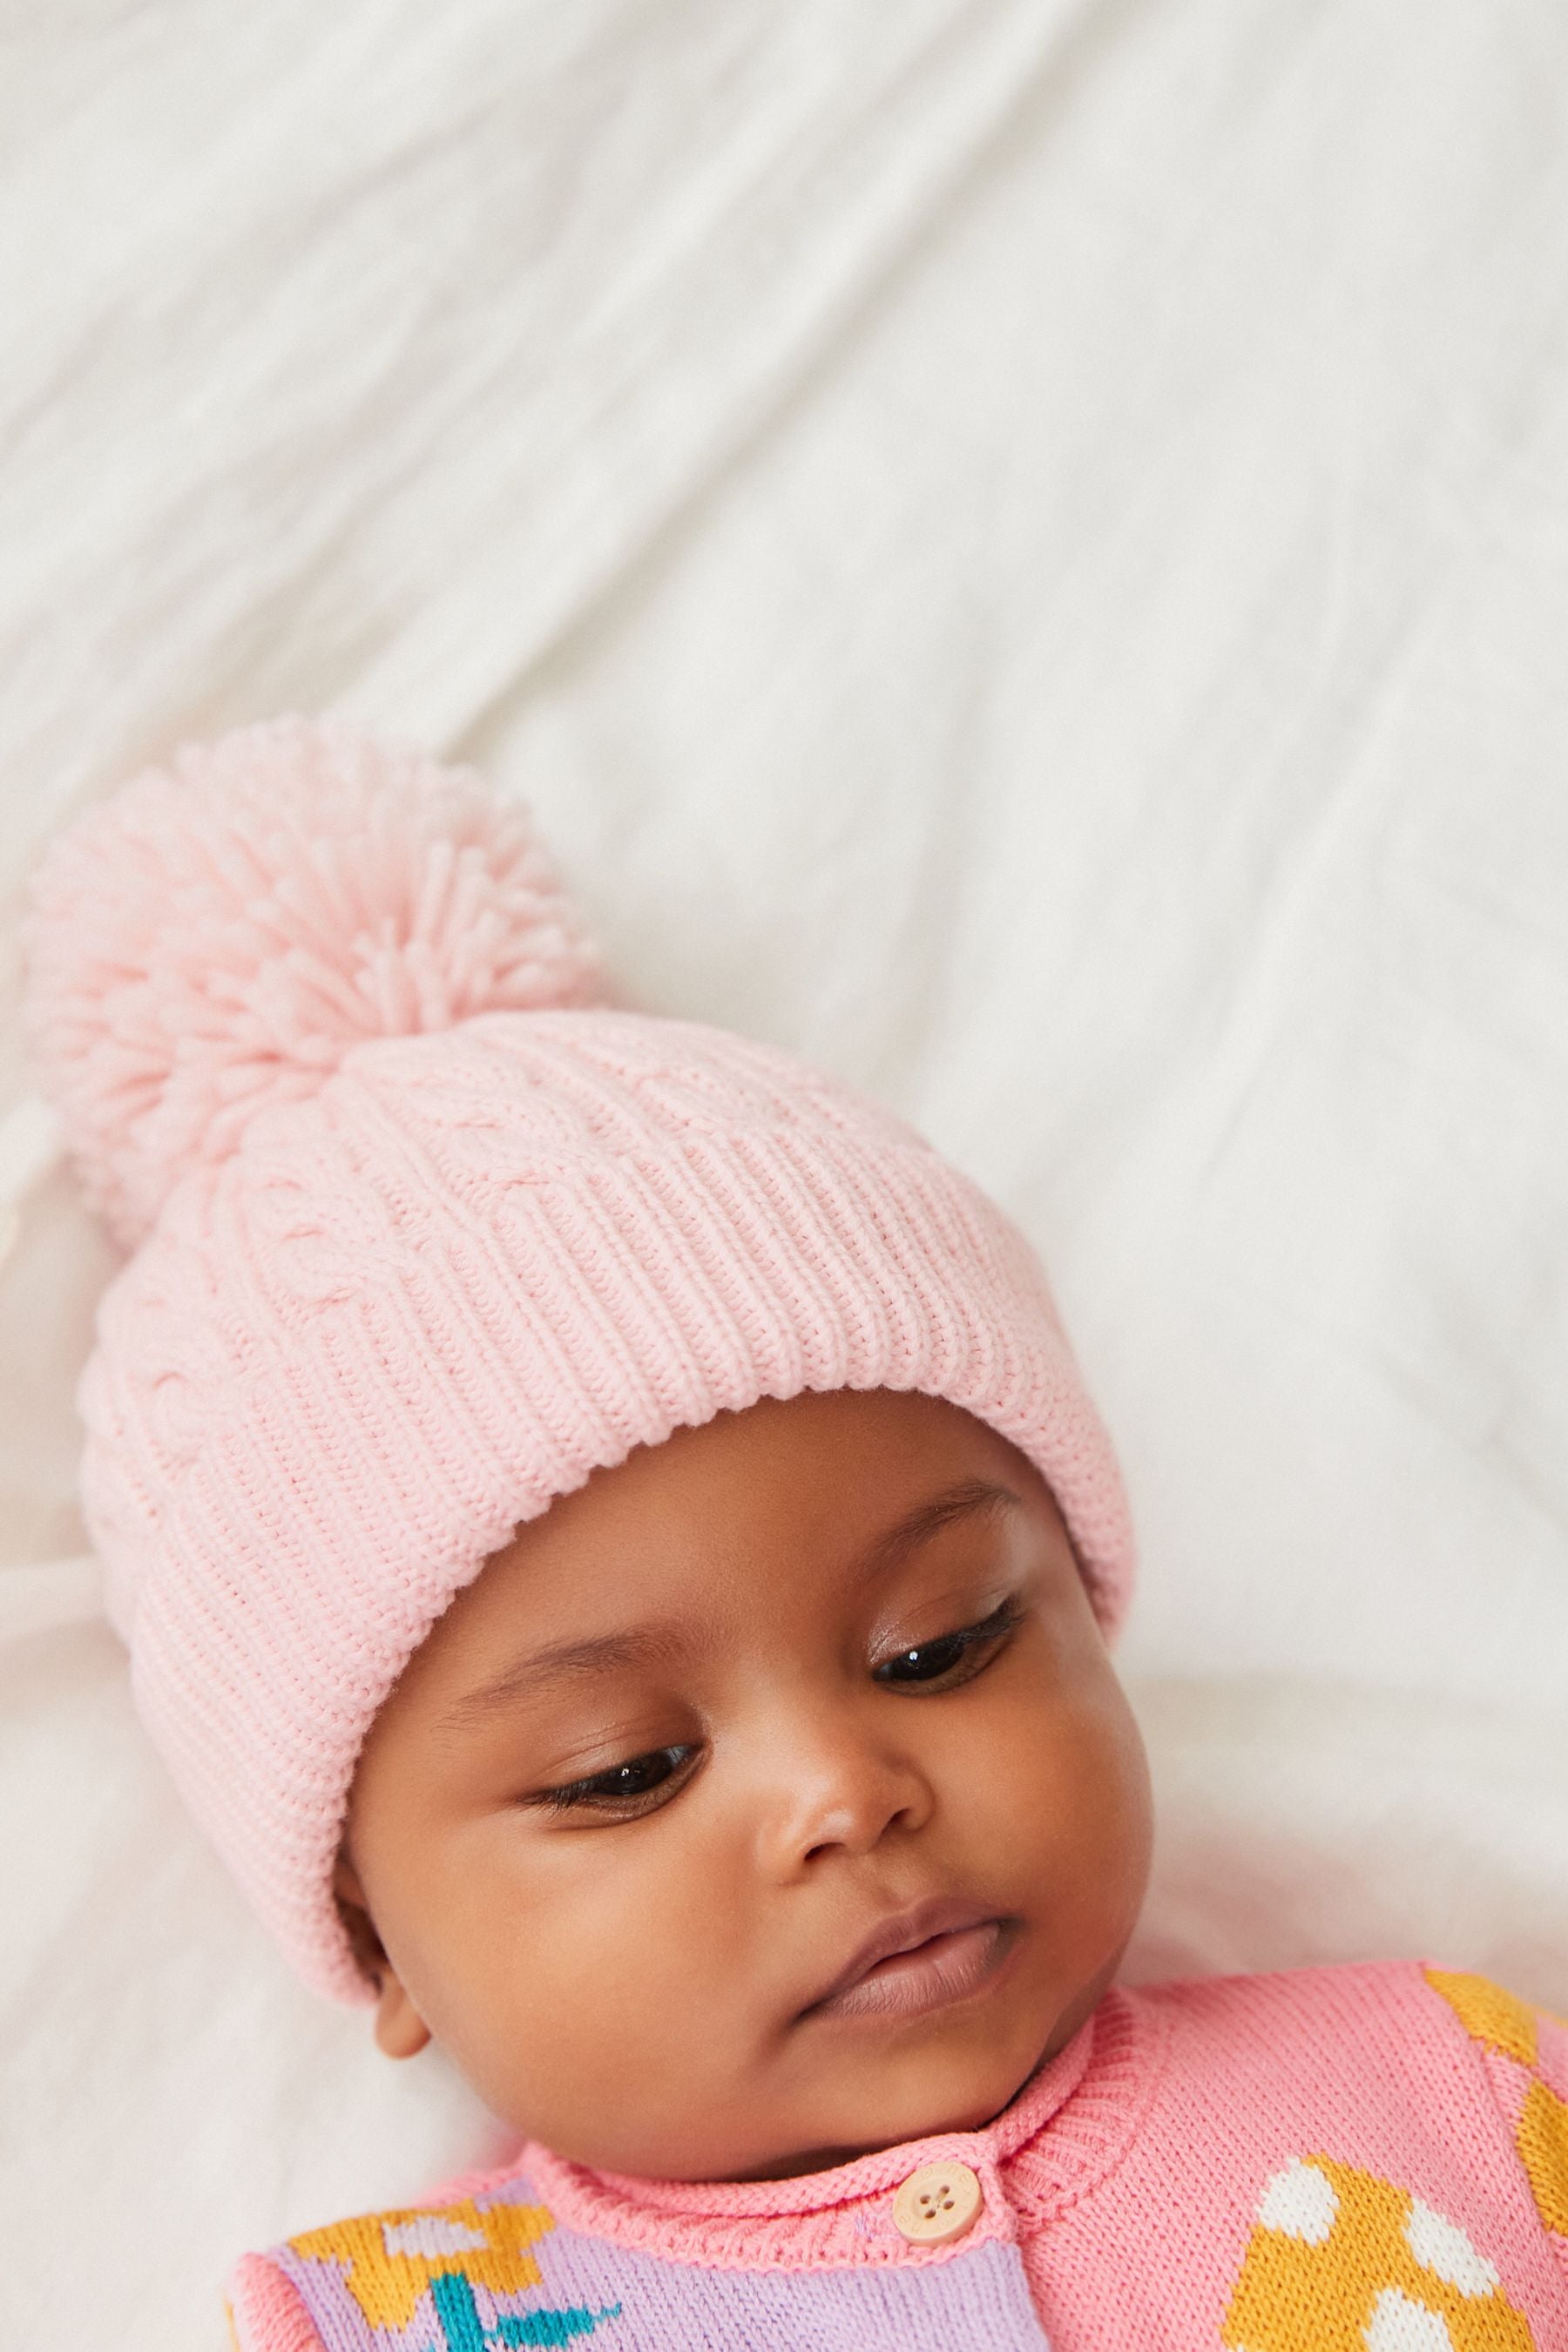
x=1067, y=2129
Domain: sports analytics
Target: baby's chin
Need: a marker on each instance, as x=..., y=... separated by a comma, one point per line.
x=964, y=2108
x=824, y=2153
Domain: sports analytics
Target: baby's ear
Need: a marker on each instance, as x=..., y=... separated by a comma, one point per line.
x=400, y=2031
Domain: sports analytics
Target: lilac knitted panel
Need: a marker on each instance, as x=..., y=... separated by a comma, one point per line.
x=972, y=2300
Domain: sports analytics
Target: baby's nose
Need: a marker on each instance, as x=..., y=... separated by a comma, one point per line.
x=840, y=1794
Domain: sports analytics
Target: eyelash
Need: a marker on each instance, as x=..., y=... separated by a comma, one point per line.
x=622, y=1805
x=968, y=1652
x=963, y=1654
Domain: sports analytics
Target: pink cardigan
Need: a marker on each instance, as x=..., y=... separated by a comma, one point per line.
x=1367, y=2160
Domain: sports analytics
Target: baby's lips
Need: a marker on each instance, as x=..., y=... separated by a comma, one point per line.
x=897, y=1932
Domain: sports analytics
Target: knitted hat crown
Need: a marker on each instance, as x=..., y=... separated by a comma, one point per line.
x=423, y=1232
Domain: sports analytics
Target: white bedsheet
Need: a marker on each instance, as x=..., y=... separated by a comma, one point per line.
x=1017, y=547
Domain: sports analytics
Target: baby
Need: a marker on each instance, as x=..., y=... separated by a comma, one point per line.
x=616, y=1552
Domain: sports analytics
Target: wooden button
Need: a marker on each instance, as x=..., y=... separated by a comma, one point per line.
x=938, y=2203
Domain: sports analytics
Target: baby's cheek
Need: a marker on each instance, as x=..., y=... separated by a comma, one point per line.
x=591, y=2000
x=1072, y=1807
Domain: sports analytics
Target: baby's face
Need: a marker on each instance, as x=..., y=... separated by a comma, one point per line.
x=769, y=1799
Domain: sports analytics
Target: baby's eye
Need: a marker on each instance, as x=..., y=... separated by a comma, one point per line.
x=638, y=1786
x=951, y=1658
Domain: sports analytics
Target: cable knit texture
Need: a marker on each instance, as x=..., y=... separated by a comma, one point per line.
x=424, y=1233
x=1369, y=2159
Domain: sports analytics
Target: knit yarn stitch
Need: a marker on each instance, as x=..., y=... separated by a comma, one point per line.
x=425, y=1231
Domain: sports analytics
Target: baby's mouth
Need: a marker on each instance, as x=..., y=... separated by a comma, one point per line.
x=938, y=1953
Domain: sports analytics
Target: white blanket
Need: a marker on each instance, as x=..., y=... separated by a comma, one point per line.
x=1019, y=548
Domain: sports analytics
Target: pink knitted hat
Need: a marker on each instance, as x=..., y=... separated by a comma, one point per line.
x=424, y=1232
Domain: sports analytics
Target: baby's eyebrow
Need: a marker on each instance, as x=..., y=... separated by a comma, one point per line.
x=594, y=1654
x=918, y=1527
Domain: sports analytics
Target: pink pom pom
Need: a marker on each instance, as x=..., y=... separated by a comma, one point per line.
x=215, y=936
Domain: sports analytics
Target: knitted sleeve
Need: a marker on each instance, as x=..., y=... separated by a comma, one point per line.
x=1525, y=2053
x=265, y=2314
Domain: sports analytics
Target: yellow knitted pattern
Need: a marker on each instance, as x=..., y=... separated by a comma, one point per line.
x=1542, y=2139
x=1342, y=2262
x=391, y=2258
x=1489, y=2014
x=1495, y=2018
